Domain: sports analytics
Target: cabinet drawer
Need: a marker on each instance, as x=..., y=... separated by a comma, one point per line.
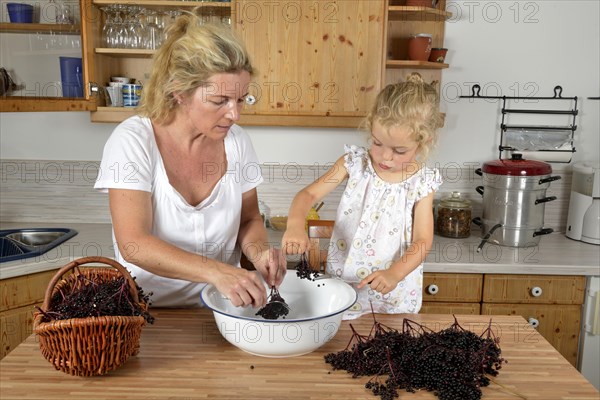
x=453, y=288
x=559, y=325
x=23, y=290
x=541, y=289
x=435, y=307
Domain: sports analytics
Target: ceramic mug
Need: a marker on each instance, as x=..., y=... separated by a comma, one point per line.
x=131, y=94
x=115, y=95
x=419, y=47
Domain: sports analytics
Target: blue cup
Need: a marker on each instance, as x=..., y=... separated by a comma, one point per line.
x=71, y=76
x=131, y=94
x=20, y=12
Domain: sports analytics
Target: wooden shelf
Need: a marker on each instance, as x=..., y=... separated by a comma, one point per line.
x=40, y=28
x=166, y=3
x=415, y=64
x=23, y=103
x=412, y=13
x=143, y=53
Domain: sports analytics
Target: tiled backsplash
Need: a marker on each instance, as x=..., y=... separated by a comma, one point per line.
x=62, y=191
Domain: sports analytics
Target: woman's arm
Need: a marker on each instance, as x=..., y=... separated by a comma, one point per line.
x=254, y=242
x=295, y=239
x=385, y=281
x=131, y=212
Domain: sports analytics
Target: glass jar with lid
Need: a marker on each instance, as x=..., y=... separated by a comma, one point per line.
x=454, y=216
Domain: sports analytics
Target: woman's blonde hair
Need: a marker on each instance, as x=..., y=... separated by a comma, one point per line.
x=192, y=52
x=413, y=105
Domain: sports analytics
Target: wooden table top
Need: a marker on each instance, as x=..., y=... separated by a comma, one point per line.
x=183, y=356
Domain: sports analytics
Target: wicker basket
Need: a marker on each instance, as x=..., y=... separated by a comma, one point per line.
x=93, y=345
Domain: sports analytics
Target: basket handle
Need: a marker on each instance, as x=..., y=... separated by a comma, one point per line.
x=88, y=260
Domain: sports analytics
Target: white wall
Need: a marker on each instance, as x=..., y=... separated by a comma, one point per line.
x=511, y=48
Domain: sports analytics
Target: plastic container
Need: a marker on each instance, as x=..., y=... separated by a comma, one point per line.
x=454, y=216
x=20, y=13
x=71, y=76
x=419, y=47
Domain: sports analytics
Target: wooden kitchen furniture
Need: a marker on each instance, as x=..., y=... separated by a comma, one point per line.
x=18, y=298
x=184, y=356
x=318, y=63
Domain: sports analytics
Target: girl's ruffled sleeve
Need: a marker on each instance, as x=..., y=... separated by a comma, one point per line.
x=355, y=159
x=430, y=182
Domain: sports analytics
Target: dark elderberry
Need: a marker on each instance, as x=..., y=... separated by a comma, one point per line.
x=276, y=306
x=88, y=298
x=453, y=363
x=304, y=271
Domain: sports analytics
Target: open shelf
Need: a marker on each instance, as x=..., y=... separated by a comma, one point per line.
x=415, y=64
x=6, y=27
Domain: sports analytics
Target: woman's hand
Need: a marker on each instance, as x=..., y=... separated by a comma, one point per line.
x=271, y=263
x=295, y=241
x=383, y=281
x=240, y=286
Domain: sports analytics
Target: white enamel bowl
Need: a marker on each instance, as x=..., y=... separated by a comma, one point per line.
x=315, y=315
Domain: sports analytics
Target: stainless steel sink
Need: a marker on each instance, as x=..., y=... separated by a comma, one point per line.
x=16, y=244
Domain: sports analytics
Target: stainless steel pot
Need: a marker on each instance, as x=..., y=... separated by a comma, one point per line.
x=514, y=198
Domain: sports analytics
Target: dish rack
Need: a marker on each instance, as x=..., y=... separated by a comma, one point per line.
x=552, y=142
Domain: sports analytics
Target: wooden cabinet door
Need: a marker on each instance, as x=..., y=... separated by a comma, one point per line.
x=24, y=290
x=459, y=288
x=316, y=60
x=15, y=326
x=558, y=324
x=433, y=307
x=541, y=289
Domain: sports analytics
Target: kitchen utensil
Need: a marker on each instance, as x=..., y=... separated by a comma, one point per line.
x=278, y=222
x=315, y=315
x=276, y=306
x=20, y=12
x=120, y=79
x=514, y=196
x=71, y=75
x=131, y=95
x=438, y=54
x=419, y=47
x=582, y=220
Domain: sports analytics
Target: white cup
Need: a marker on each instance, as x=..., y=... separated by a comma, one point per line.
x=116, y=95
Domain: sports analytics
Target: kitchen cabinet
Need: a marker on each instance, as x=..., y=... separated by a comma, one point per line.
x=18, y=298
x=30, y=53
x=451, y=293
x=318, y=63
x=401, y=22
x=552, y=304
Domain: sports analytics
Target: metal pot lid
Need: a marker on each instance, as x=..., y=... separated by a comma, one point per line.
x=517, y=166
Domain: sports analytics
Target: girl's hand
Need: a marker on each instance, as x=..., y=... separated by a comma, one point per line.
x=383, y=281
x=295, y=241
x=272, y=265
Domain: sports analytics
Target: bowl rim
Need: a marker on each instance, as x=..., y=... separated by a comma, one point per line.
x=209, y=286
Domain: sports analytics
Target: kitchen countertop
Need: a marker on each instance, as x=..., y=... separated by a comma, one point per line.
x=555, y=254
x=184, y=356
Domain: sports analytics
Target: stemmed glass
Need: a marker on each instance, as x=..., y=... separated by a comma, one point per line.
x=109, y=26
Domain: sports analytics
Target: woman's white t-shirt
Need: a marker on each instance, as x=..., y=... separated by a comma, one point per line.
x=131, y=160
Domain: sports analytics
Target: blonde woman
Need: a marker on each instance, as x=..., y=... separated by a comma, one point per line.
x=384, y=224
x=181, y=176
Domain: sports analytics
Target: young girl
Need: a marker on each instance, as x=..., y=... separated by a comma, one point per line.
x=384, y=224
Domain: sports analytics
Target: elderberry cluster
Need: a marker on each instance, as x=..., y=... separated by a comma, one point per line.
x=304, y=271
x=452, y=363
x=275, y=307
x=88, y=297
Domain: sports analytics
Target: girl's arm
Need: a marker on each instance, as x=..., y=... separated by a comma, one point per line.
x=254, y=242
x=295, y=239
x=131, y=213
x=385, y=281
